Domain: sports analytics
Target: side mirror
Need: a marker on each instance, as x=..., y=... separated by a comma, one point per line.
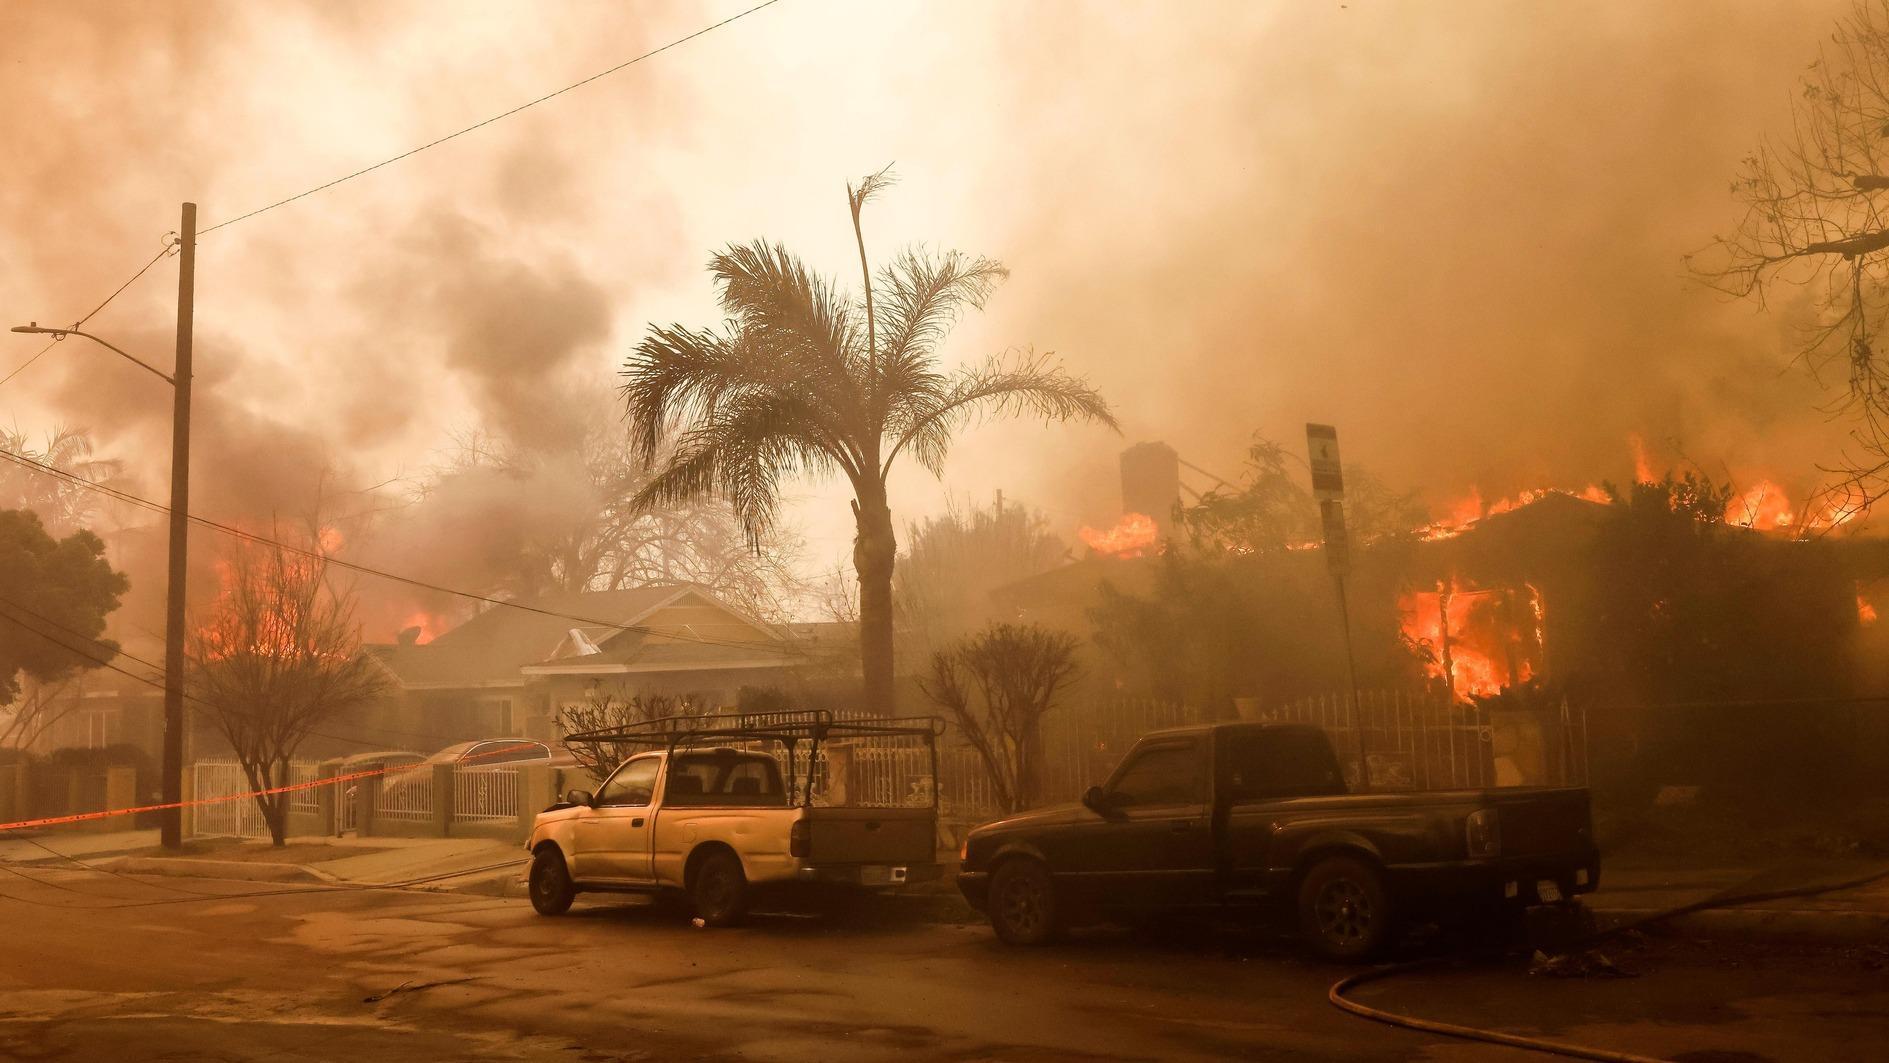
x=581, y=797
x=1096, y=800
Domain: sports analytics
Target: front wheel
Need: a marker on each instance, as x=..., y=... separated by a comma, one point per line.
x=1344, y=910
x=1022, y=903
x=552, y=890
x=720, y=890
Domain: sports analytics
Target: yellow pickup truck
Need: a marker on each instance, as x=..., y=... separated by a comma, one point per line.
x=722, y=808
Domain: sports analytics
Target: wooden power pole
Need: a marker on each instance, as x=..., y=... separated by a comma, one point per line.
x=171, y=829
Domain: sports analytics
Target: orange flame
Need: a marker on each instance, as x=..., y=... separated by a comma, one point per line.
x=1135, y=535
x=1764, y=506
x=1467, y=510
x=1865, y=612
x=430, y=626
x=1483, y=639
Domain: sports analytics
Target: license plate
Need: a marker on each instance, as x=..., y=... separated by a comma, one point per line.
x=1548, y=890
x=875, y=876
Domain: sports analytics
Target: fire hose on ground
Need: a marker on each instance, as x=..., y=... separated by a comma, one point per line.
x=1542, y=1044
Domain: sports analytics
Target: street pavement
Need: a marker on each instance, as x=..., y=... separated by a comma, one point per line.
x=98, y=966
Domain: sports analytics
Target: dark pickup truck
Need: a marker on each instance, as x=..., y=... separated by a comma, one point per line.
x=1256, y=816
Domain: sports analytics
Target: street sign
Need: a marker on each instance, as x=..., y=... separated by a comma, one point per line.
x=1328, y=476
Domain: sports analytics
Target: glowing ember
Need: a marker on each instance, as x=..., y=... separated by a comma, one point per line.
x=1478, y=641
x=1135, y=535
x=1764, y=506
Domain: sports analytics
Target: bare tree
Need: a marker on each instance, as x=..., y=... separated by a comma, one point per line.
x=600, y=540
x=998, y=684
x=279, y=655
x=603, y=709
x=1815, y=220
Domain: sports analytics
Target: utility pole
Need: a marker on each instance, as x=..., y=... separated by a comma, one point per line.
x=171, y=831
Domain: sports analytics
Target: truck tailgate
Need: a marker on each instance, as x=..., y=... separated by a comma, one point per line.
x=1540, y=822
x=848, y=835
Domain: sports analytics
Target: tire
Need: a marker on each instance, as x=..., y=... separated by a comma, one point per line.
x=552, y=890
x=1344, y=910
x=719, y=889
x=1022, y=903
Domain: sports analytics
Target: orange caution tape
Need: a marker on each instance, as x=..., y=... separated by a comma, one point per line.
x=81, y=817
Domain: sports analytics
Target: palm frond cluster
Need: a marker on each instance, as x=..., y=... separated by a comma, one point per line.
x=804, y=377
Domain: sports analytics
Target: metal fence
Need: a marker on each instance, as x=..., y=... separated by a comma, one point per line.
x=485, y=794
x=241, y=818
x=407, y=795
x=1421, y=741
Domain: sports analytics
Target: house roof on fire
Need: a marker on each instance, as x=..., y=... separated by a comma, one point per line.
x=672, y=627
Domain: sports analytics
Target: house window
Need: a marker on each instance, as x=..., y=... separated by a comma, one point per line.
x=98, y=727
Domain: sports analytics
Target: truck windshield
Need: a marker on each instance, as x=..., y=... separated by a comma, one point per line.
x=724, y=778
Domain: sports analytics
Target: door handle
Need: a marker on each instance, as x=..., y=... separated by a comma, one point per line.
x=637, y=822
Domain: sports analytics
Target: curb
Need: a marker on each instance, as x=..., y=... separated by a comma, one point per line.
x=1766, y=924
x=191, y=867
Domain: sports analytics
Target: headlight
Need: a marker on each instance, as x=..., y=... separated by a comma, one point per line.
x=1483, y=834
x=964, y=849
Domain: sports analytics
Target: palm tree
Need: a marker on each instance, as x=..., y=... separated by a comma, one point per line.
x=792, y=384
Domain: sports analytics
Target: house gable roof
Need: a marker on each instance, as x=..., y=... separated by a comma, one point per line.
x=670, y=623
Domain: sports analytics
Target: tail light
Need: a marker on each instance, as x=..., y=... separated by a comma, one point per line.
x=800, y=838
x=1483, y=834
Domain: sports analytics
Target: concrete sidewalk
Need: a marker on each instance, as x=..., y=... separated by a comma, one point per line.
x=1632, y=890
x=473, y=864
x=52, y=845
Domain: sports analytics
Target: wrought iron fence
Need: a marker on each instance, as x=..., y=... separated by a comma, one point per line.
x=407, y=795
x=215, y=781
x=485, y=793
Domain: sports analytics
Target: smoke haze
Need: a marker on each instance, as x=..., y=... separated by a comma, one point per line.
x=1455, y=231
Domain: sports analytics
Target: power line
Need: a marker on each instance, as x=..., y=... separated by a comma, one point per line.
x=22, y=367
x=163, y=252
x=251, y=537
x=479, y=125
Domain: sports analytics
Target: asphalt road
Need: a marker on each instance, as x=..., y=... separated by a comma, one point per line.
x=417, y=976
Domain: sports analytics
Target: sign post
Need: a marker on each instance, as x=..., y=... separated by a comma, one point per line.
x=1328, y=487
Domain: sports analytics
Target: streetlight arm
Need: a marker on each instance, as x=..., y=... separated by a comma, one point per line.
x=115, y=349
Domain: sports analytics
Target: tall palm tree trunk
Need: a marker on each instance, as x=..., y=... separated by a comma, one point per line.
x=874, y=548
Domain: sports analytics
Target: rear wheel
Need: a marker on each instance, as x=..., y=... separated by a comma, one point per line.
x=1022, y=903
x=1344, y=910
x=552, y=890
x=719, y=890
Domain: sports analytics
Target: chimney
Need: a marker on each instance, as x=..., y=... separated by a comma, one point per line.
x=1151, y=483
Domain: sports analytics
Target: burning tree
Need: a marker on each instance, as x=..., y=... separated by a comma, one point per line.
x=280, y=654
x=794, y=385
x=998, y=684
x=1814, y=201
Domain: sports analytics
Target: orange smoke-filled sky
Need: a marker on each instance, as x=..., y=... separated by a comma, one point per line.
x=1453, y=230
